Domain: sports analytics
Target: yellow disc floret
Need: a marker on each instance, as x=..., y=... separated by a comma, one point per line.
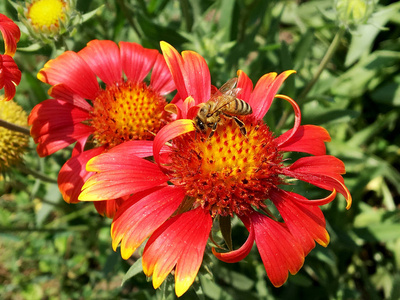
x=229, y=173
x=12, y=144
x=46, y=13
x=127, y=111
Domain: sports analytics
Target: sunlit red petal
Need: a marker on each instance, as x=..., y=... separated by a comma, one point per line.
x=70, y=69
x=62, y=92
x=108, y=208
x=10, y=76
x=169, y=132
x=11, y=34
x=179, y=241
x=323, y=171
x=104, y=60
x=137, y=219
x=308, y=138
x=73, y=174
x=297, y=116
x=279, y=250
x=264, y=92
x=120, y=178
x=136, y=60
x=239, y=254
x=305, y=222
x=57, y=124
x=161, y=79
x=190, y=73
x=245, y=85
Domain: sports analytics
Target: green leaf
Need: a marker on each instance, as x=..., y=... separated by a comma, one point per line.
x=363, y=38
x=135, y=269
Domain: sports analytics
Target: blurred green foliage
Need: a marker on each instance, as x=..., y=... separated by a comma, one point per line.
x=52, y=250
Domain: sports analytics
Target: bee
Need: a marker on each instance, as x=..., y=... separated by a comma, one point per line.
x=223, y=102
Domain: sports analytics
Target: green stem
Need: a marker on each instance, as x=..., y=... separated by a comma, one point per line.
x=186, y=14
x=36, y=174
x=14, y=127
x=325, y=60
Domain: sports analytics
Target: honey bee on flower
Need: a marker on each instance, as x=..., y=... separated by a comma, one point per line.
x=193, y=182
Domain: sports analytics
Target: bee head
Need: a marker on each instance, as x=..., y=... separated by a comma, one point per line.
x=200, y=124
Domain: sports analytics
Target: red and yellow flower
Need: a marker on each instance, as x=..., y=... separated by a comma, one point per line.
x=10, y=75
x=100, y=116
x=196, y=180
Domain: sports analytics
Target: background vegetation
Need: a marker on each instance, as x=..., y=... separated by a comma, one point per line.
x=52, y=250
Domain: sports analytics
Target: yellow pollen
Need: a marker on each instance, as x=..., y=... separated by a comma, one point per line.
x=229, y=173
x=127, y=111
x=12, y=144
x=46, y=13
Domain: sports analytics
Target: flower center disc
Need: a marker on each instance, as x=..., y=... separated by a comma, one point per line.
x=127, y=111
x=46, y=13
x=228, y=173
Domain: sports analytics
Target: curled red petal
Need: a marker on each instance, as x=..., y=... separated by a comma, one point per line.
x=10, y=76
x=297, y=117
x=169, y=132
x=307, y=138
x=141, y=215
x=11, y=34
x=104, y=60
x=239, y=254
x=137, y=61
x=322, y=171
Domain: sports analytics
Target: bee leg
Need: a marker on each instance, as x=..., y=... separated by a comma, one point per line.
x=213, y=130
x=241, y=126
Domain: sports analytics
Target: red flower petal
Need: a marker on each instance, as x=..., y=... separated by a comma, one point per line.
x=108, y=208
x=180, y=241
x=279, y=250
x=305, y=222
x=10, y=76
x=245, y=85
x=265, y=91
x=120, y=178
x=161, y=79
x=136, y=60
x=73, y=174
x=137, y=148
x=322, y=171
x=239, y=254
x=139, y=217
x=190, y=73
x=71, y=70
x=297, y=117
x=11, y=34
x=62, y=92
x=57, y=124
x=308, y=138
x=169, y=132
x=104, y=60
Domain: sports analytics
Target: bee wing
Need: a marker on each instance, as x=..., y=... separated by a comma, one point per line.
x=221, y=102
x=228, y=88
